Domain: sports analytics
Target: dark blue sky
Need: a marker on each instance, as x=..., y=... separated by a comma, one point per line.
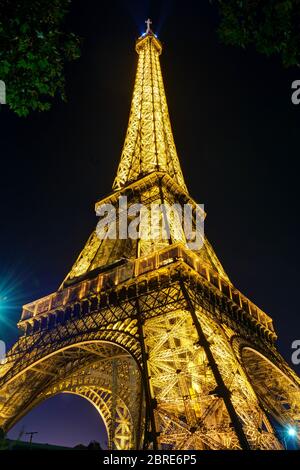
x=236, y=132
x=63, y=419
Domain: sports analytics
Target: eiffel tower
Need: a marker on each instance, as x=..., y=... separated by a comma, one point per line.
x=151, y=332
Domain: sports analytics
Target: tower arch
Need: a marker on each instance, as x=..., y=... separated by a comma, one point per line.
x=104, y=373
x=120, y=429
x=277, y=391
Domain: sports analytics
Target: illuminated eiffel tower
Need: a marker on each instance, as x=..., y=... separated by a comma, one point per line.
x=152, y=332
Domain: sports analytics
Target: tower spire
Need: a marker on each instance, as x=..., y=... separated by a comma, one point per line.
x=149, y=144
x=148, y=23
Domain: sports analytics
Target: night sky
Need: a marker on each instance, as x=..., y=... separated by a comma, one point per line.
x=236, y=132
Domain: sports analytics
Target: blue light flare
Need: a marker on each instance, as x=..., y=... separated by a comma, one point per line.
x=292, y=432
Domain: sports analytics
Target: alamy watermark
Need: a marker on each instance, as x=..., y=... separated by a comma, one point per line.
x=296, y=354
x=295, y=94
x=2, y=352
x=157, y=221
x=2, y=92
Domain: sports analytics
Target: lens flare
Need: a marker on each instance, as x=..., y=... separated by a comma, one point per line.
x=292, y=432
x=11, y=295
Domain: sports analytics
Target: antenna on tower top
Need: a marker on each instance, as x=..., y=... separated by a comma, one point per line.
x=148, y=23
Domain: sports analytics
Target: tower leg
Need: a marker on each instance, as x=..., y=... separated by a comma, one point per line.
x=222, y=390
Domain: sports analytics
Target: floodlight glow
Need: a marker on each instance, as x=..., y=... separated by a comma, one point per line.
x=292, y=432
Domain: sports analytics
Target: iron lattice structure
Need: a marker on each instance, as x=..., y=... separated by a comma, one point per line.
x=152, y=333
